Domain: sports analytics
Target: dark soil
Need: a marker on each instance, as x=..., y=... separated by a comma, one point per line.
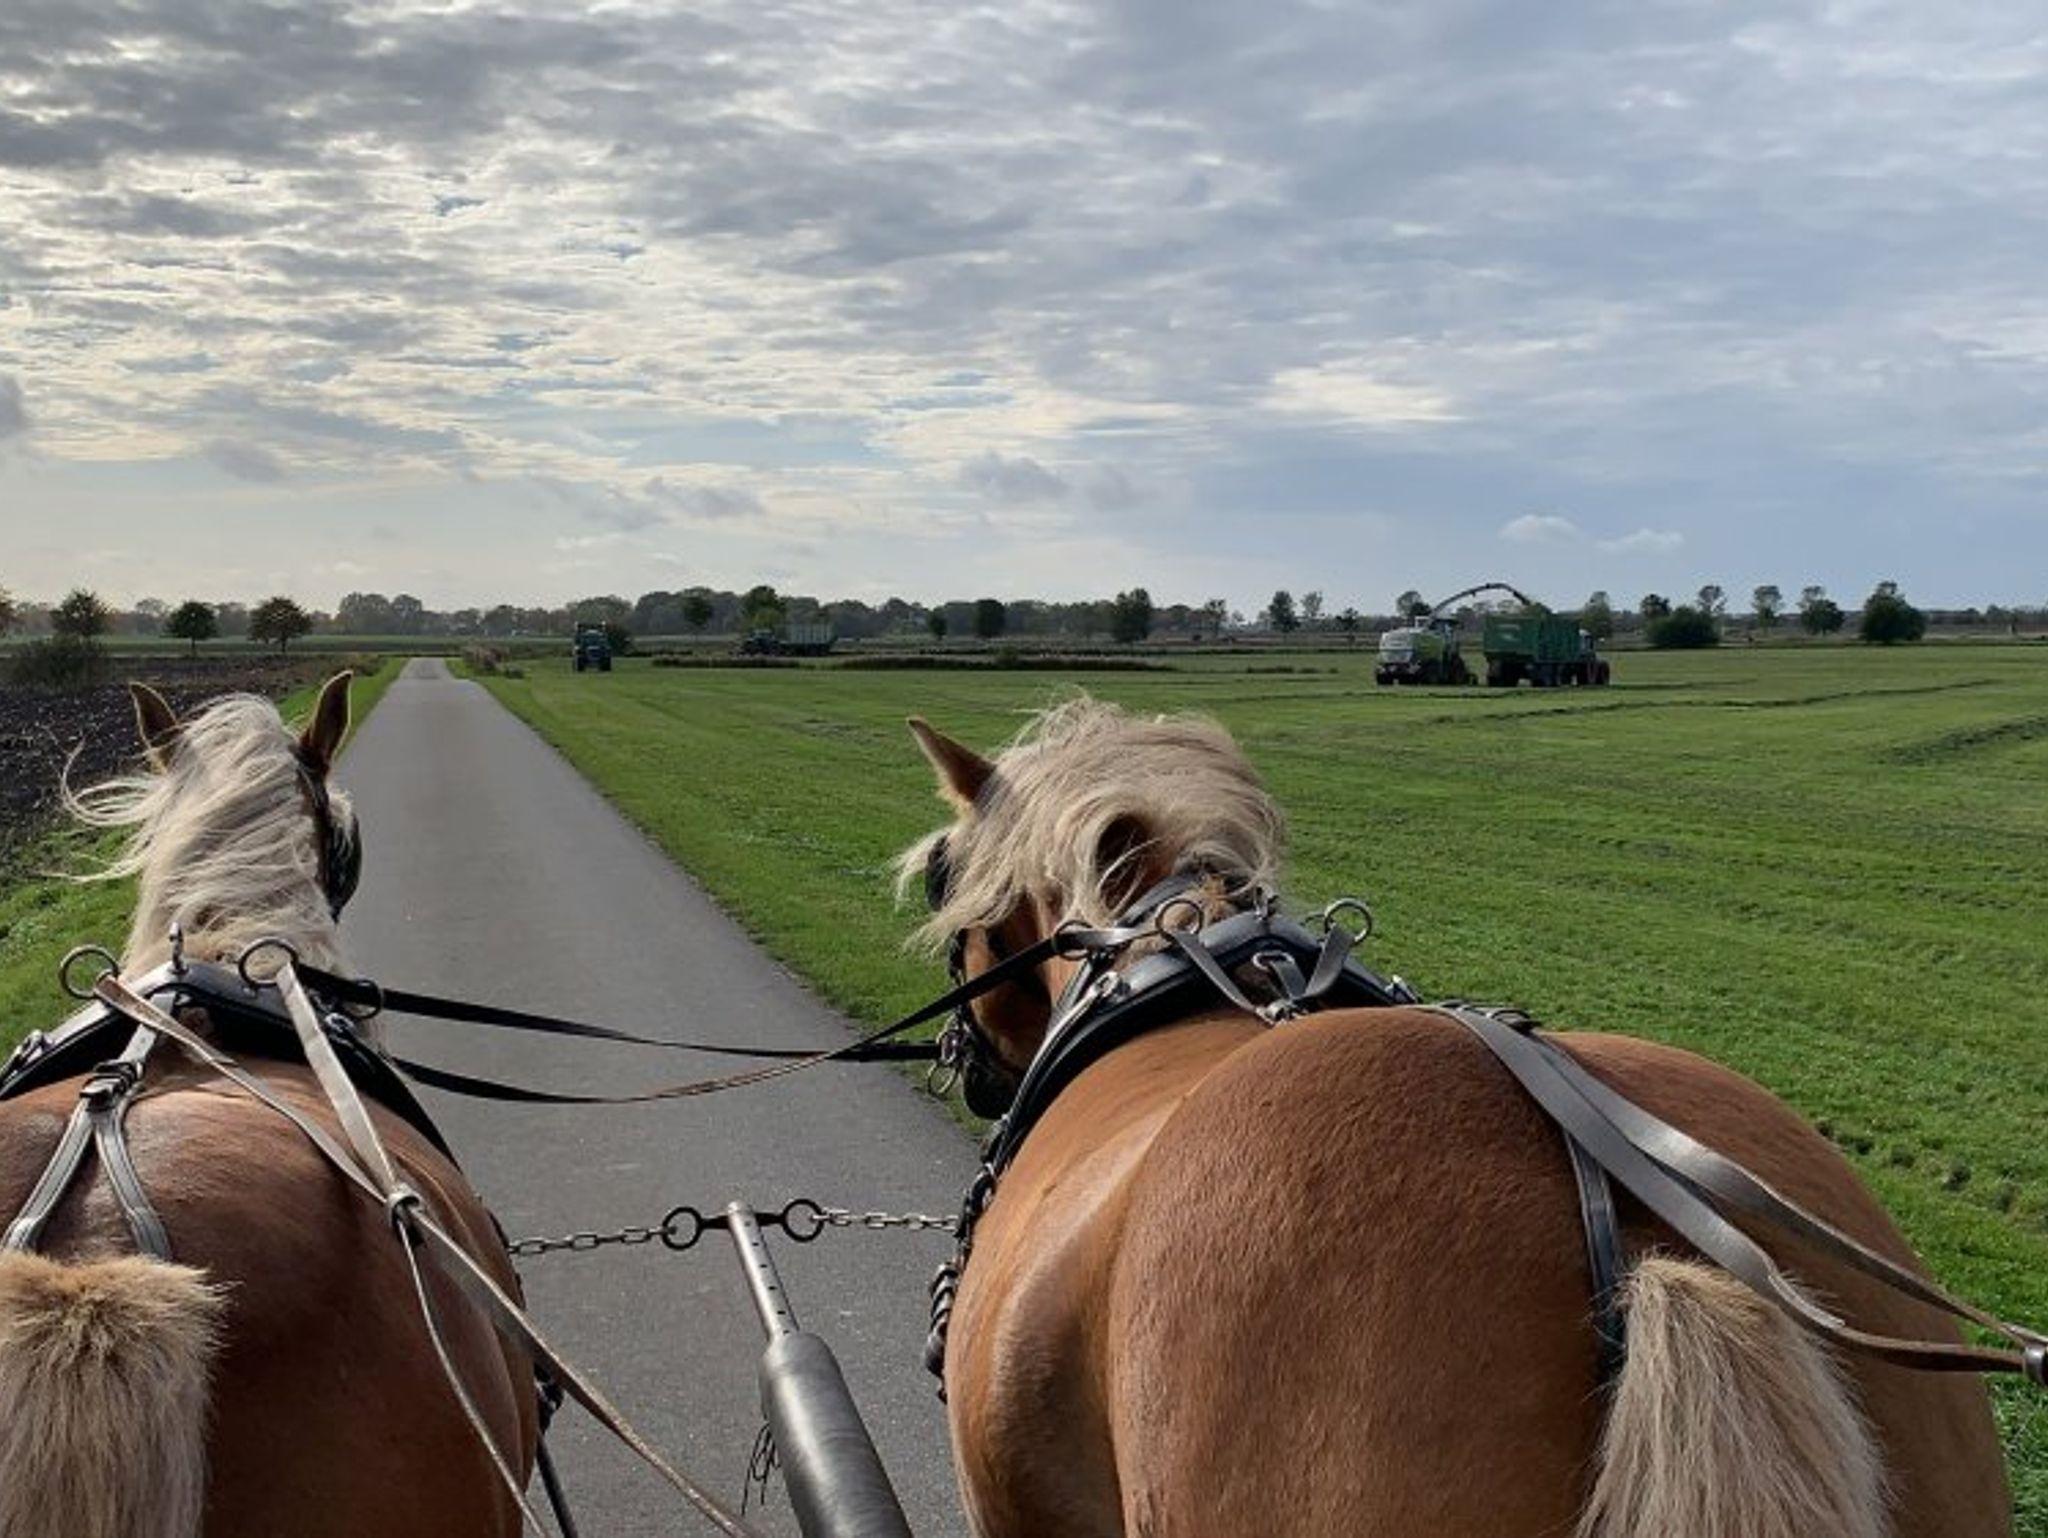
x=40, y=729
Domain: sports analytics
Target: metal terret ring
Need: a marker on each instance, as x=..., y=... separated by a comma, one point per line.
x=77, y=954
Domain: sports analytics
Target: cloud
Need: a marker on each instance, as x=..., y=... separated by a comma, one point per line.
x=246, y=461
x=1352, y=394
x=1318, y=264
x=13, y=410
x=1109, y=490
x=1646, y=542
x=1539, y=529
x=1011, y=482
x=708, y=502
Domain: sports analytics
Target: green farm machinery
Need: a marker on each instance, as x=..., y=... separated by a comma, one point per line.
x=593, y=647
x=1544, y=648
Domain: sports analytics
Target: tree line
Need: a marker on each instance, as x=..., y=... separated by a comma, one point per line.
x=81, y=617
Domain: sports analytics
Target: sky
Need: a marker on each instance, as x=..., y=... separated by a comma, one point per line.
x=519, y=301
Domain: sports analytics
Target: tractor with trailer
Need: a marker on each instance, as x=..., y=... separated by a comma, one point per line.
x=1546, y=649
x=1535, y=644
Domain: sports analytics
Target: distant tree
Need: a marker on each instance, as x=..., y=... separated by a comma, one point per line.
x=149, y=615
x=697, y=609
x=408, y=615
x=1654, y=606
x=1216, y=614
x=1888, y=619
x=1130, y=617
x=1713, y=602
x=1684, y=629
x=990, y=618
x=1348, y=622
x=935, y=622
x=761, y=608
x=278, y=619
x=1597, y=617
x=81, y=616
x=1312, y=608
x=192, y=621
x=1280, y=613
x=10, y=611
x=1767, y=603
x=1819, y=614
x=1411, y=605
x=365, y=614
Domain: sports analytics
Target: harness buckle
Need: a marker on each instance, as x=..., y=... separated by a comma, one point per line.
x=31, y=1050
x=109, y=1083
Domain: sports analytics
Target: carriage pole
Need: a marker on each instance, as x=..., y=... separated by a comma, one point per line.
x=837, y=1485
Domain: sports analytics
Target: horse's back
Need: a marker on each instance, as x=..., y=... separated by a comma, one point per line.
x=1355, y=1247
x=328, y=1413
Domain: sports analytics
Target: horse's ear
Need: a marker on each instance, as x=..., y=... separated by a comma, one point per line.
x=323, y=735
x=962, y=771
x=155, y=723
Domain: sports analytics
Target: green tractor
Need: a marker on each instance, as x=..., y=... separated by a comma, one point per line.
x=1547, y=649
x=1425, y=653
x=593, y=647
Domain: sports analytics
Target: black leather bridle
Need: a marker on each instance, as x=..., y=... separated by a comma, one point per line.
x=340, y=840
x=988, y=1085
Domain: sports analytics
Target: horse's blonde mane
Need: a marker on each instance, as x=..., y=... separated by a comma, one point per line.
x=1052, y=819
x=222, y=840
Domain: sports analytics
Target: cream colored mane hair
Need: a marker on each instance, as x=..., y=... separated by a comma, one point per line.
x=1055, y=818
x=224, y=841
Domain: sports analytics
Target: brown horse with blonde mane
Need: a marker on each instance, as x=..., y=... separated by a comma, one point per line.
x=1328, y=1277
x=275, y=1376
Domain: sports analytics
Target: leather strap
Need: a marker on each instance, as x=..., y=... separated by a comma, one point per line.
x=27, y=1228
x=1597, y=1217
x=1671, y=1174
x=96, y=1121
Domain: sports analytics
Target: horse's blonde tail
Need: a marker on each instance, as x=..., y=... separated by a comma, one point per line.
x=103, y=1376
x=1729, y=1421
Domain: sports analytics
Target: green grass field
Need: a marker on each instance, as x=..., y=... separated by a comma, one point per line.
x=41, y=919
x=1823, y=867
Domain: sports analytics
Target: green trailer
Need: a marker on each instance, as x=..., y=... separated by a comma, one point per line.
x=1546, y=649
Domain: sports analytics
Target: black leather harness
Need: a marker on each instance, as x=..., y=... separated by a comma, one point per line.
x=1277, y=970
x=1258, y=960
x=111, y=1054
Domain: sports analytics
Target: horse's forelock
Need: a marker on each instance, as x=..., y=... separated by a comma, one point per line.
x=1055, y=820
x=221, y=839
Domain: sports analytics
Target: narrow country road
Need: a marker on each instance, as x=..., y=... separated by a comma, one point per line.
x=494, y=872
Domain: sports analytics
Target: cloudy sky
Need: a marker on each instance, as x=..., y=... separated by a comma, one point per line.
x=522, y=301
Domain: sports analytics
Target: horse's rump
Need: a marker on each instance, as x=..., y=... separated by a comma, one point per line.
x=328, y=1413
x=1355, y=1245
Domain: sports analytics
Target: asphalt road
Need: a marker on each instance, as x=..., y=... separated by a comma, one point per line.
x=493, y=871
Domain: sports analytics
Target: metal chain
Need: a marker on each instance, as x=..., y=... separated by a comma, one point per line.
x=579, y=1242
x=840, y=1217
x=802, y=1220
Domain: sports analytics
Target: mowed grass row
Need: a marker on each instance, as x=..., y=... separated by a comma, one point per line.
x=1823, y=867
x=45, y=916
